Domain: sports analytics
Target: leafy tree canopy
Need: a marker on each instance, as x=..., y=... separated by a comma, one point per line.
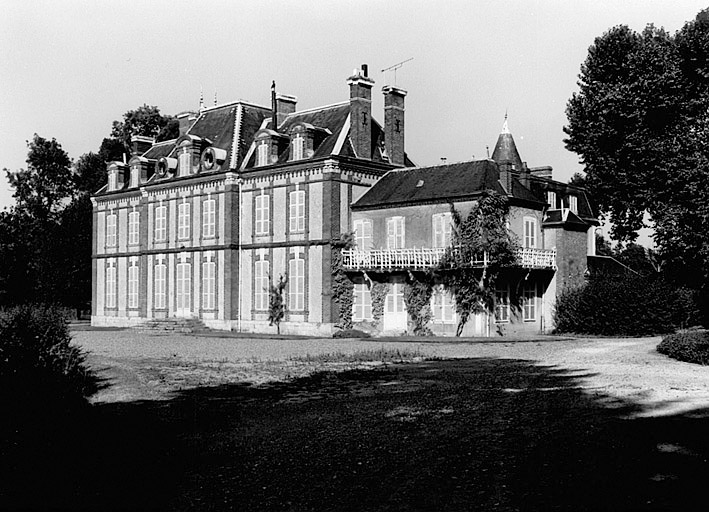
x=146, y=120
x=640, y=125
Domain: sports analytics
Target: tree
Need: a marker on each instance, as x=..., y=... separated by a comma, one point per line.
x=640, y=125
x=46, y=184
x=90, y=173
x=482, y=235
x=147, y=121
x=276, y=304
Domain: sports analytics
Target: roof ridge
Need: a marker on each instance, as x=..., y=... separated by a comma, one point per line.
x=233, y=103
x=314, y=109
x=420, y=167
x=163, y=142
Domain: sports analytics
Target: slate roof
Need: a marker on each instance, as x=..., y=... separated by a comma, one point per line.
x=540, y=186
x=441, y=183
x=160, y=150
x=506, y=150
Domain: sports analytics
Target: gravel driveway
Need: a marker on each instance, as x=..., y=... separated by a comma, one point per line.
x=144, y=366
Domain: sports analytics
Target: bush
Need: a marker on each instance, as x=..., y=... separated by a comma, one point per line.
x=691, y=347
x=350, y=333
x=627, y=305
x=38, y=364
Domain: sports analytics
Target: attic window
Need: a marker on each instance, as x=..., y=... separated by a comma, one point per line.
x=573, y=204
x=419, y=184
x=262, y=154
x=298, y=145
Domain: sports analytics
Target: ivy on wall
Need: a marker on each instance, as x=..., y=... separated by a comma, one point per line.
x=417, y=297
x=378, y=292
x=342, y=286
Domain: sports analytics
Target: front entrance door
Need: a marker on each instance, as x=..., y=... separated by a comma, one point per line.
x=184, y=290
x=395, y=316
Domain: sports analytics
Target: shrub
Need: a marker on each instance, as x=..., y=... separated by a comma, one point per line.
x=38, y=364
x=350, y=333
x=691, y=347
x=627, y=305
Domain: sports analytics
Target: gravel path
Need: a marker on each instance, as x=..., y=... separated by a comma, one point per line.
x=628, y=369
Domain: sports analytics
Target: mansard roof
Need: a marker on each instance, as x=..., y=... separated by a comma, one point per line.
x=440, y=184
x=540, y=186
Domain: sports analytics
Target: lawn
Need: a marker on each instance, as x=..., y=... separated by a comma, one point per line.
x=454, y=435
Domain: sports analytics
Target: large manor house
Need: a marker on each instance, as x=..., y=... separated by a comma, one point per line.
x=200, y=226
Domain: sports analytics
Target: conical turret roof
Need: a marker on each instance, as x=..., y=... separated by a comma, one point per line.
x=505, y=150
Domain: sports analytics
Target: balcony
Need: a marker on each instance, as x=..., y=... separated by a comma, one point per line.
x=425, y=258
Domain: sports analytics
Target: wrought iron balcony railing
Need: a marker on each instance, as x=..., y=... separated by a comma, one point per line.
x=425, y=258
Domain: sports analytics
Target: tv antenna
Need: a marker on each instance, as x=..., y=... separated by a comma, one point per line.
x=395, y=67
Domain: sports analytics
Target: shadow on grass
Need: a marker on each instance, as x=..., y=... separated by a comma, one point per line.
x=475, y=434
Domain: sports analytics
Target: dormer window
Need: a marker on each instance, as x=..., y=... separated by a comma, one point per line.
x=574, y=204
x=551, y=199
x=298, y=146
x=185, y=161
x=113, y=180
x=262, y=153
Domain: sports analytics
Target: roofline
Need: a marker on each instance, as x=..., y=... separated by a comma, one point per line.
x=315, y=109
x=231, y=104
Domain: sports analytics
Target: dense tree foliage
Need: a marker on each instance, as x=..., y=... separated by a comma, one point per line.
x=640, y=125
x=483, y=234
x=146, y=120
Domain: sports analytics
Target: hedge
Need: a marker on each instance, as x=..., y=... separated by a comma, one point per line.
x=691, y=347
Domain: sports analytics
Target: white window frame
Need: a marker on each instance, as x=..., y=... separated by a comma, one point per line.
x=551, y=199
x=261, y=284
x=394, y=301
x=111, y=285
x=296, y=283
x=442, y=306
x=184, y=218
x=502, y=305
x=262, y=150
x=209, y=281
x=530, y=232
x=296, y=201
x=134, y=228
x=396, y=232
x=442, y=229
x=112, y=180
x=160, y=283
x=298, y=146
x=183, y=286
x=111, y=229
x=362, y=303
x=160, y=232
x=209, y=209
x=529, y=302
x=363, y=234
x=262, y=214
x=574, y=204
x=185, y=162
x=133, y=283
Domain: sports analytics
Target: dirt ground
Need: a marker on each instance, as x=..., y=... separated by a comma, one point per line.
x=144, y=366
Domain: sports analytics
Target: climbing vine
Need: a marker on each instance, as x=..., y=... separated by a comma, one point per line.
x=417, y=297
x=342, y=286
x=481, y=236
x=276, y=304
x=378, y=293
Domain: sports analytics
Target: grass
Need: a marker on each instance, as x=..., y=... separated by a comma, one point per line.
x=455, y=435
x=383, y=355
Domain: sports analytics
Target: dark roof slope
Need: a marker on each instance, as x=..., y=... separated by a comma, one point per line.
x=332, y=118
x=440, y=183
x=540, y=186
x=506, y=150
x=160, y=150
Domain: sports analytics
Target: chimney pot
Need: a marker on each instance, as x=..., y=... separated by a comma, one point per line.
x=365, y=70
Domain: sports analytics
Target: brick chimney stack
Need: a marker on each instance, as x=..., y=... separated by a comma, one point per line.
x=186, y=119
x=394, y=123
x=285, y=104
x=140, y=144
x=361, y=112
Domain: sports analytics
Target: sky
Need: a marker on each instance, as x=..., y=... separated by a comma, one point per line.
x=69, y=69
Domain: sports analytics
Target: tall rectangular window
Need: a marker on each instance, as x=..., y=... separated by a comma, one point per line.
x=297, y=210
x=183, y=220
x=111, y=284
x=395, y=233
x=133, y=283
x=502, y=305
x=551, y=199
x=160, y=223
x=209, y=208
x=262, y=153
x=394, y=301
x=262, y=214
x=442, y=229
x=362, y=305
x=111, y=229
x=296, y=283
x=185, y=163
x=530, y=232
x=529, y=302
x=183, y=283
x=442, y=306
x=208, y=284
x=134, y=228
x=363, y=234
x=261, y=269
x=574, y=204
x=298, y=145
x=160, y=282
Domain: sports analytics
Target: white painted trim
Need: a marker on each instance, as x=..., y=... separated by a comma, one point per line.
x=342, y=137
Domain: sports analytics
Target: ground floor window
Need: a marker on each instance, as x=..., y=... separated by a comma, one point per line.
x=296, y=284
x=529, y=302
x=502, y=305
x=111, y=284
x=159, y=283
x=395, y=299
x=362, y=306
x=261, y=269
x=184, y=287
x=442, y=306
x=133, y=282
x=208, y=284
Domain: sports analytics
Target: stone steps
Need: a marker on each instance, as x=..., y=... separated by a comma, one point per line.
x=171, y=326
